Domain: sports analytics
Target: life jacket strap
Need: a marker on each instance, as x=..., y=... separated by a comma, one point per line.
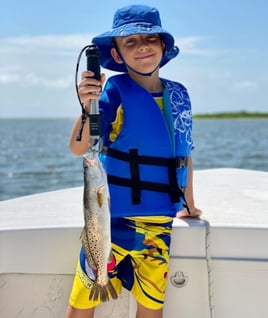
x=180, y=162
x=176, y=192
x=145, y=185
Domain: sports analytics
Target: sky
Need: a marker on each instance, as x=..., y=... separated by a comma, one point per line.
x=223, y=58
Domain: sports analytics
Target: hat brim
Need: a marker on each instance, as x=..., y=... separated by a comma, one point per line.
x=105, y=43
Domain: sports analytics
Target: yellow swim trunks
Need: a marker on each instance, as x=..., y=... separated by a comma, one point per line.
x=140, y=264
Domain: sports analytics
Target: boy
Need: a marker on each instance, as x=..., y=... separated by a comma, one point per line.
x=146, y=132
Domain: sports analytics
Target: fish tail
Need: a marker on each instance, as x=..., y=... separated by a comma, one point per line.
x=112, y=291
x=102, y=292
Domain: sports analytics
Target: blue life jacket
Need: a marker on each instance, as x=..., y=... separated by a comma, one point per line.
x=146, y=165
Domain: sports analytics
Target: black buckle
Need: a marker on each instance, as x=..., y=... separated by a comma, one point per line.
x=181, y=162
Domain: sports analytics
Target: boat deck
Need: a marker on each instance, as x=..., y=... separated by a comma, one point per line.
x=39, y=246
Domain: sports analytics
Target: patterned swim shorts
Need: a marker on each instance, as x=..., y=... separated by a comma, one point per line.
x=140, y=262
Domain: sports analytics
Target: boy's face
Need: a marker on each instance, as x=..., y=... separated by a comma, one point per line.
x=142, y=52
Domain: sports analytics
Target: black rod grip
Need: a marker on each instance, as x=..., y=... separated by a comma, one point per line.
x=93, y=65
x=93, y=61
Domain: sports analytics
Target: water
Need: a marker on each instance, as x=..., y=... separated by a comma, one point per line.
x=233, y=143
x=34, y=154
x=34, y=157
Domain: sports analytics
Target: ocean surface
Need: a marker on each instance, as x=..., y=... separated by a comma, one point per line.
x=34, y=153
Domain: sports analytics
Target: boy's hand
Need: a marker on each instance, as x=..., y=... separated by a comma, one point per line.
x=195, y=213
x=89, y=88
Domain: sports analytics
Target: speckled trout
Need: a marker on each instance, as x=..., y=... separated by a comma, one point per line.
x=96, y=234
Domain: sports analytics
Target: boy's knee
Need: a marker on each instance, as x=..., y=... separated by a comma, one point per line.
x=79, y=313
x=144, y=312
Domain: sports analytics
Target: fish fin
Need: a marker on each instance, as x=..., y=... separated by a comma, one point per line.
x=100, y=195
x=102, y=292
x=99, y=291
x=110, y=258
x=112, y=291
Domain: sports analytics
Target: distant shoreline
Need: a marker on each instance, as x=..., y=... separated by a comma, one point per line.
x=234, y=115
x=220, y=115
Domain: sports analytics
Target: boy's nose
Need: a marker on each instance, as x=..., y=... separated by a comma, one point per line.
x=142, y=42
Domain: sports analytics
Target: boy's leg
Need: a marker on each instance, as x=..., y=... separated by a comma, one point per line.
x=143, y=312
x=150, y=266
x=79, y=313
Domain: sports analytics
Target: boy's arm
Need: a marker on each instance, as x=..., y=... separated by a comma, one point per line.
x=189, y=195
x=88, y=89
x=79, y=147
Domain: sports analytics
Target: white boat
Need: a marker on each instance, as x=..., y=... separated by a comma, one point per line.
x=218, y=268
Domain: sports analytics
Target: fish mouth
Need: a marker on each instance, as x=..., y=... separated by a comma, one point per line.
x=89, y=161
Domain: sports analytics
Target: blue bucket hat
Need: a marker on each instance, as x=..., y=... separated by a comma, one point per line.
x=130, y=20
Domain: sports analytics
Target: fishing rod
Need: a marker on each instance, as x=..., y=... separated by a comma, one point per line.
x=93, y=64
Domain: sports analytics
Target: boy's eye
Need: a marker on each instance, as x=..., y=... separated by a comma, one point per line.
x=130, y=42
x=153, y=37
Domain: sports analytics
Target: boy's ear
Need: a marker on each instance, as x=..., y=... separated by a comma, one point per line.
x=163, y=46
x=116, y=56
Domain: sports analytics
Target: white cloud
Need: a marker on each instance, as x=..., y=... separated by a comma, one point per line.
x=246, y=85
x=22, y=78
x=9, y=78
x=16, y=76
x=193, y=45
x=31, y=79
x=39, y=61
x=69, y=42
